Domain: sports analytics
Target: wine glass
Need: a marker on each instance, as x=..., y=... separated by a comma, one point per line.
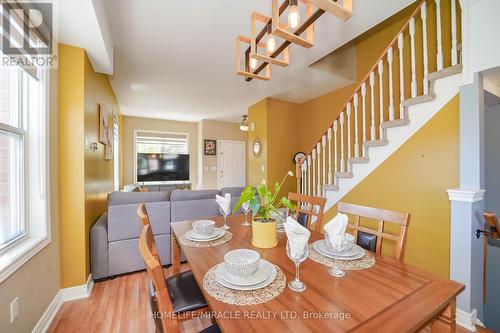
x=225, y=214
x=245, y=207
x=337, y=244
x=297, y=258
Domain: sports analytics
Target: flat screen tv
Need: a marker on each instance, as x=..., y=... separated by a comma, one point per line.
x=162, y=167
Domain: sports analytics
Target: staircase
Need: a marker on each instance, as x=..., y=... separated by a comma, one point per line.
x=393, y=101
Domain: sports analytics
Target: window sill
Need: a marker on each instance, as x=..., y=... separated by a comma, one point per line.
x=15, y=258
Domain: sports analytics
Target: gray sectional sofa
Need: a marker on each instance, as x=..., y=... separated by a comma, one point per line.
x=114, y=238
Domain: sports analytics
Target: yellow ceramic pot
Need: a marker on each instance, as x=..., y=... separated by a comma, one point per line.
x=264, y=234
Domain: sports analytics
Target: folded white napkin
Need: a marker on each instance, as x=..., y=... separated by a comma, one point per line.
x=297, y=235
x=335, y=229
x=224, y=202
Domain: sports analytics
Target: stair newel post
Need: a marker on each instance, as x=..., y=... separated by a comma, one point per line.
x=381, y=96
x=423, y=14
x=391, y=87
x=313, y=188
x=454, y=48
x=348, y=111
x=329, y=135
x=318, y=150
x=335, y=149
x=323, y=144
x=342, y=163
x=413, y=65
x=309, y=175
x=372, y=106
x=401, y=77
x=439, y=36
x=356, y=126
x=363, y=104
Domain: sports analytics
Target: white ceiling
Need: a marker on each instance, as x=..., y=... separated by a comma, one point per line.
x=176, y=59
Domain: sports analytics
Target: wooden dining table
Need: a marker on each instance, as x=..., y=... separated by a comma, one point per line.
x=389, y=297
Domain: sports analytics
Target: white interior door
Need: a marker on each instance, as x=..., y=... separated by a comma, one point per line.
x=231, y=163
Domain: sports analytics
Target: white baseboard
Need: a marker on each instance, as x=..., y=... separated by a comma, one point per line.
x=467, y=320
x=63, y=295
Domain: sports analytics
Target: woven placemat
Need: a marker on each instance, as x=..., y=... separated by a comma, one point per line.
x=224, y=239
x=243, y=297
x=350, y=265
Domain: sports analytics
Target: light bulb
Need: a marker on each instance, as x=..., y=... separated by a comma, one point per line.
x=253, y=63
x=271, y=44
x=293, y=16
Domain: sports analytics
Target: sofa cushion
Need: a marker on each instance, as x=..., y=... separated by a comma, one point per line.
x=123, y=222
x=193, y=209
x=187, y=195
x=235, y=191
x=123, y=198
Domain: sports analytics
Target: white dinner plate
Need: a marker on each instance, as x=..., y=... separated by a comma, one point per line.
x=193, y=236
x=356, y=252
x=263, y=284
x=260, y=275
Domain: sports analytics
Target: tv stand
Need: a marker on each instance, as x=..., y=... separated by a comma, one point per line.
x=166, y=186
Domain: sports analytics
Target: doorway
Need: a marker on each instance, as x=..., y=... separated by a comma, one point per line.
x=230, y=163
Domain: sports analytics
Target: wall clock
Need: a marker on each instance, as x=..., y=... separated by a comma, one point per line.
x=298, y=156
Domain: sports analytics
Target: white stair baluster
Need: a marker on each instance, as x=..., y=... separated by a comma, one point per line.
x=323, y=143
x=309, y=175
x=336, y=169
x=423, y=14
x=313, y=192
x=356, y=129
x=318, y=150
x=391, y=92
x=329, y=134
x=342, y=162
x=363, y=104
x=401, y=77
x=381, y=96
x=372, y=106
x=413, y=66
x=454, y=48
x=348, y=111
x=439, y=36
x=303, y=168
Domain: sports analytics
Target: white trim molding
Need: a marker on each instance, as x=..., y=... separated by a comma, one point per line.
x=467, y=320
x=77, y=292
x=465, y=195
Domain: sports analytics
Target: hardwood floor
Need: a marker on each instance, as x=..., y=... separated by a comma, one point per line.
x=122, y=305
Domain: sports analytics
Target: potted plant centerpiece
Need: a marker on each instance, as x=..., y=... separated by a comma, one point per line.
x=264, y=204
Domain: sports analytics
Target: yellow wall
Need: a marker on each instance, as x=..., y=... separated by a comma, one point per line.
x=414, y=179
x=257, y=114
x=85, y=177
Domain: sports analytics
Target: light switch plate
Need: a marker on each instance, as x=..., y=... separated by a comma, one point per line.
x=14, y=309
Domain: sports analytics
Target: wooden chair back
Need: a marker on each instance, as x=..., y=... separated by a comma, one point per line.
x=157, y=277
x=382, y=216
x=142, y=213
x=493, y=226
x=307, y=208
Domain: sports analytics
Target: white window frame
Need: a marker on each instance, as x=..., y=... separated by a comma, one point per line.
x=163, y=133
x=36, y=196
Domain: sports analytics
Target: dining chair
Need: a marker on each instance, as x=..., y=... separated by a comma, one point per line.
x=175, y=299
x=308, y=207
x=371, y=239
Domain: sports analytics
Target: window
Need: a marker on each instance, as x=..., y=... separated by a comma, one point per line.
x=116, y=153
x=161, y=143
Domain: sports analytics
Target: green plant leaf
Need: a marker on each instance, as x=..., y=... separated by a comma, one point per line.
x=288, y=204
x=247, y=194
x=261, y=189
x=254, y=206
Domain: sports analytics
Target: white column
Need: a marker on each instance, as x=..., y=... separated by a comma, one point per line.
x=401, y=77
x=342, y=163
x=423, y=14
x=336, y=169
x=413, y=66
x=323, y=143
x=391, y=91
x=372, y=106
x=439, y=36
x=318, y=151
x=348, y=111
x=381, y=96
x=313, y=187
x=454, y=49
x=356, y=129
x=363, y=104
x=309, y=175
x=329, y=134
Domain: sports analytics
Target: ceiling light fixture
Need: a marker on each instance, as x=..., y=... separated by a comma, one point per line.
x=293, y=14
x=253, y=63
x=244, y=124
x=271, y=41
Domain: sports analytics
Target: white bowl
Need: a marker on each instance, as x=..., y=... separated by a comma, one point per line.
x=204, y=227
x=242, y=262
